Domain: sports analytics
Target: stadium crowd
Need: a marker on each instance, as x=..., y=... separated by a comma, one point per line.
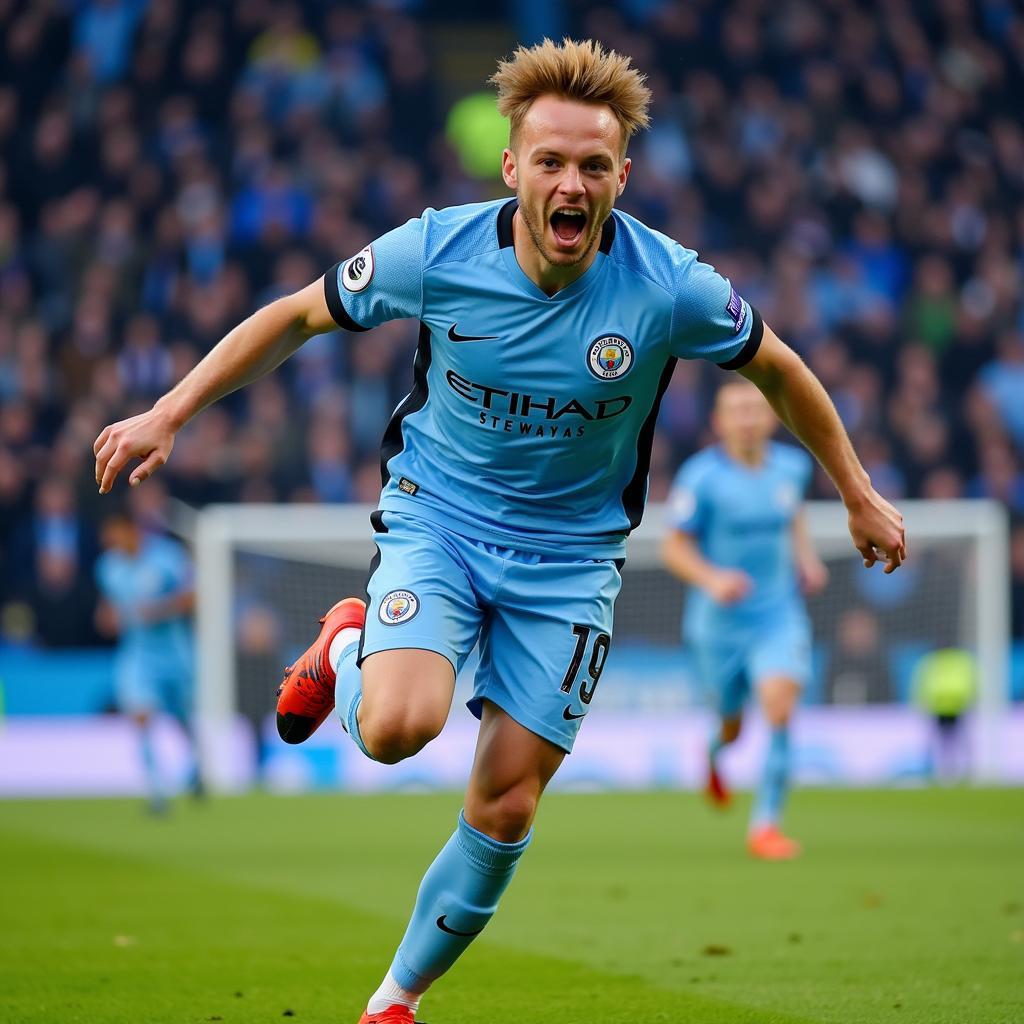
x=167, y=166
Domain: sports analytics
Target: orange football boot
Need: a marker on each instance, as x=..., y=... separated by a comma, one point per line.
x=396, y=1014
x=768, y=843
x=306, y=695
x=715, y=789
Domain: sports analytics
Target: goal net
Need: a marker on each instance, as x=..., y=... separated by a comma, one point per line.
x=266, y=573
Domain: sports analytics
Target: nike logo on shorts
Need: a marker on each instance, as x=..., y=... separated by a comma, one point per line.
x=453, y=335
x=568, y=715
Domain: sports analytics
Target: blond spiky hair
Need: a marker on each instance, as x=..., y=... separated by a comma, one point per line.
x=583, y=71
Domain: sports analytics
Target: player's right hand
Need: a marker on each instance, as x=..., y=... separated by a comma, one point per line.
x=728, y=586
x=148, y=437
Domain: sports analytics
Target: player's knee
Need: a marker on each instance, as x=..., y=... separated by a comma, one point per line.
x=778, y=715
x=392, y=737
x=731, y=729
x=778, y=698
x=507, y=816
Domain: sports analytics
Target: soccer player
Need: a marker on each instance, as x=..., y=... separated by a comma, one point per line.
x=513, y=471
x=146, y=584
x=738, y=537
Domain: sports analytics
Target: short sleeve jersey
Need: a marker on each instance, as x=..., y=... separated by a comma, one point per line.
x=531, y=417
x=741, y=518
x=160, y=569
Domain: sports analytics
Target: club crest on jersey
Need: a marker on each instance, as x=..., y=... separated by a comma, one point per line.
x=610, y=357
x=358, y=271
x=397, y=607
x=786, y=496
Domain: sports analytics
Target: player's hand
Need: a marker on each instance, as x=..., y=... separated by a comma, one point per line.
x=813, y=576
x=877, y=531
x=106, y=619
x=728, y=586
x=148, y=437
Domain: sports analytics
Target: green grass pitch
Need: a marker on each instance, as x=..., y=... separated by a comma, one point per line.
x=635, y=908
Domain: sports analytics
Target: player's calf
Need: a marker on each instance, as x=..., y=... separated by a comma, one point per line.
x=507, y=815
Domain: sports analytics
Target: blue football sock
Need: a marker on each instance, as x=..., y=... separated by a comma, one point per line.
x=775, y=782
x=348, y=693
x=716, y=745
x=457, y=897
x=150, y=768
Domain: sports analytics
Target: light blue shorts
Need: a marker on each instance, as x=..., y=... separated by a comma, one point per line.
x=543, y=622
x=728, y=667
x=145, y=685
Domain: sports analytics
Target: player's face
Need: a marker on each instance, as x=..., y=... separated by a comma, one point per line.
x=568, y=168
x=742, y=417
x=118, y=535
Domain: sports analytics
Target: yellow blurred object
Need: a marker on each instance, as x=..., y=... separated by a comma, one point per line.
x=478, y=133
x=945, y=681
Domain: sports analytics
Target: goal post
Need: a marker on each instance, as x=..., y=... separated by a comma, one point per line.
x=266, y=572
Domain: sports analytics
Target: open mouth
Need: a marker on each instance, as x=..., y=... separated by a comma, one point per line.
x=568, y=225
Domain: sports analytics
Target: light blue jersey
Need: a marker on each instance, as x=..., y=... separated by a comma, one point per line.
x=531, y=417
x=154, y=659
x=742, y=518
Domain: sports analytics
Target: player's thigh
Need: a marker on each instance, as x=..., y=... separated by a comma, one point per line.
x=721, y=668
x=511, y=767
x=545, y=645
x=406, y=689
x=780, y=665
x=422, y=620
x=177, y=688
x=136, y=689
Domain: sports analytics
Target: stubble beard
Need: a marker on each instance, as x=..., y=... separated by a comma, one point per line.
x=537, y=237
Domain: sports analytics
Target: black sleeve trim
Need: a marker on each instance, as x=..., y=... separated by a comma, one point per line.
x=334, y=303
x=753, y=343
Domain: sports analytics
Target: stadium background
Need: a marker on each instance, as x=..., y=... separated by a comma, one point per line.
x=167, y=167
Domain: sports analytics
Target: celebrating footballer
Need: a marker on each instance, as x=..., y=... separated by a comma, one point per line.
x=514, y=470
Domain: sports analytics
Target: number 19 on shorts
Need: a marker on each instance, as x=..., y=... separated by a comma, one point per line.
x=598, y=656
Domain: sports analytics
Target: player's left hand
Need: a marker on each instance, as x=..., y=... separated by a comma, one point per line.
x=877, y=531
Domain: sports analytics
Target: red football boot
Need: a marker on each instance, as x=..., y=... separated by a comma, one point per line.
x=306, y=695
x=715, y=789
x=396, y=1014
x=767, y=843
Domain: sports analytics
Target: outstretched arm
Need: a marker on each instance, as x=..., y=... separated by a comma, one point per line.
x=802, y=404
x=255, y=347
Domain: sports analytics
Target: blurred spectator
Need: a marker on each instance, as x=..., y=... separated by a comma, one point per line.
x=858, y=671
x=1002, y=382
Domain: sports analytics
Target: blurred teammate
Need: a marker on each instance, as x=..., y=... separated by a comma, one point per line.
x=513, y=471
x=738, y=537
x=146, y=584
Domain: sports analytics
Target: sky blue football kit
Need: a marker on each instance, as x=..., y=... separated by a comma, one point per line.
x=154, y=663
x=741, y=517
x=512, y=474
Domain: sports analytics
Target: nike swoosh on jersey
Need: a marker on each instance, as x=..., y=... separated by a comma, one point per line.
x=568, y=715
x=452, y=931
x=453, y=335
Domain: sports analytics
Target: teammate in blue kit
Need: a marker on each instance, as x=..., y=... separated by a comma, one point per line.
x=145, y=581
x=513, y=471
x=739, y=538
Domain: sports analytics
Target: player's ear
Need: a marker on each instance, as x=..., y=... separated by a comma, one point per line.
x=623, y=175
x=508, y=169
